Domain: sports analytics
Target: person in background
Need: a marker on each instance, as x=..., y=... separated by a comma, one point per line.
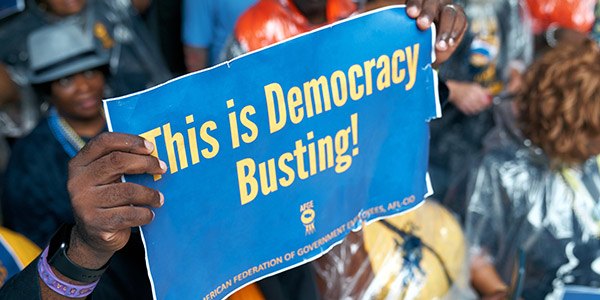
x=271, y=21
x=16, y=118
x=537, y=189
x=68, y=71
x=206, y=27
x=163, y=19
x=135, y=64
x=488, y=63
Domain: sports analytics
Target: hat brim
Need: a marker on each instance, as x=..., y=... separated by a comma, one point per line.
x=58, y=72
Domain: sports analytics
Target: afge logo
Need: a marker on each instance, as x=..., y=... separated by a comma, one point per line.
x=307, y=216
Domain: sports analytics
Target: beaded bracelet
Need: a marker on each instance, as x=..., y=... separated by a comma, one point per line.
x=60, y=286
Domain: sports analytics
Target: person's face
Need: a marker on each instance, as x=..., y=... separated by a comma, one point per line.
x=311, y=7
x=79, y=96
x=64, y=8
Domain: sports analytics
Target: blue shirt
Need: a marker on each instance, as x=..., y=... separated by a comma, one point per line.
x=209, y=23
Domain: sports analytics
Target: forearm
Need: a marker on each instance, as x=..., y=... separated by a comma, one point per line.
x=195, y=58
x=485, y=278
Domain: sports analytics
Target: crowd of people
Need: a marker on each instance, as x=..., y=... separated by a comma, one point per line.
x=514, y=160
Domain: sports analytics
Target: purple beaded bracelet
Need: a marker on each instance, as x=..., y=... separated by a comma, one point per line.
x=59, y=286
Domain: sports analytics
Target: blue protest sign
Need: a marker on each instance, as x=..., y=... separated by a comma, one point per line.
x=276, y=156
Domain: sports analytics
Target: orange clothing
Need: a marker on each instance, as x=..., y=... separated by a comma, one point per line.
x=250, y=292
x=271, y=21
x=573, y=14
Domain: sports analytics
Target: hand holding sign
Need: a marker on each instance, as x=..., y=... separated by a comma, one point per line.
x=450, y=19
x=105, y=208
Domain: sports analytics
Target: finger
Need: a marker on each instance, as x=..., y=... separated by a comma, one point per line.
x=428, y=14
x=111, y=167
x=123, y=217
x=413, y=8
x=446, y=24
x=459, y=27
x=126, y=193
x=108, y=142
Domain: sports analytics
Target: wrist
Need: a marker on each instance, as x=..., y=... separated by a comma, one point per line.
x=85, y=255
x=71, y=262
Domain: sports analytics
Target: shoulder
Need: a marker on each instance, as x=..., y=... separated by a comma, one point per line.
x=513, y=154
x=40, y=136
x=510, y=176
x=37, y=147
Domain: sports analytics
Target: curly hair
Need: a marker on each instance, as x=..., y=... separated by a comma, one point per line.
x=559, y=106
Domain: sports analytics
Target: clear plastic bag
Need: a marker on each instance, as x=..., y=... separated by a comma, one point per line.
x=518, y=202
x=417, y=255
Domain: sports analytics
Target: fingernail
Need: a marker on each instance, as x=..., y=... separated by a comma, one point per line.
x=413, y=11
x=149, y=145
x=424, y=21
x=153, y=215
x=163, y=165
x=451, y=42
x=442, y=45
x=162, y=198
